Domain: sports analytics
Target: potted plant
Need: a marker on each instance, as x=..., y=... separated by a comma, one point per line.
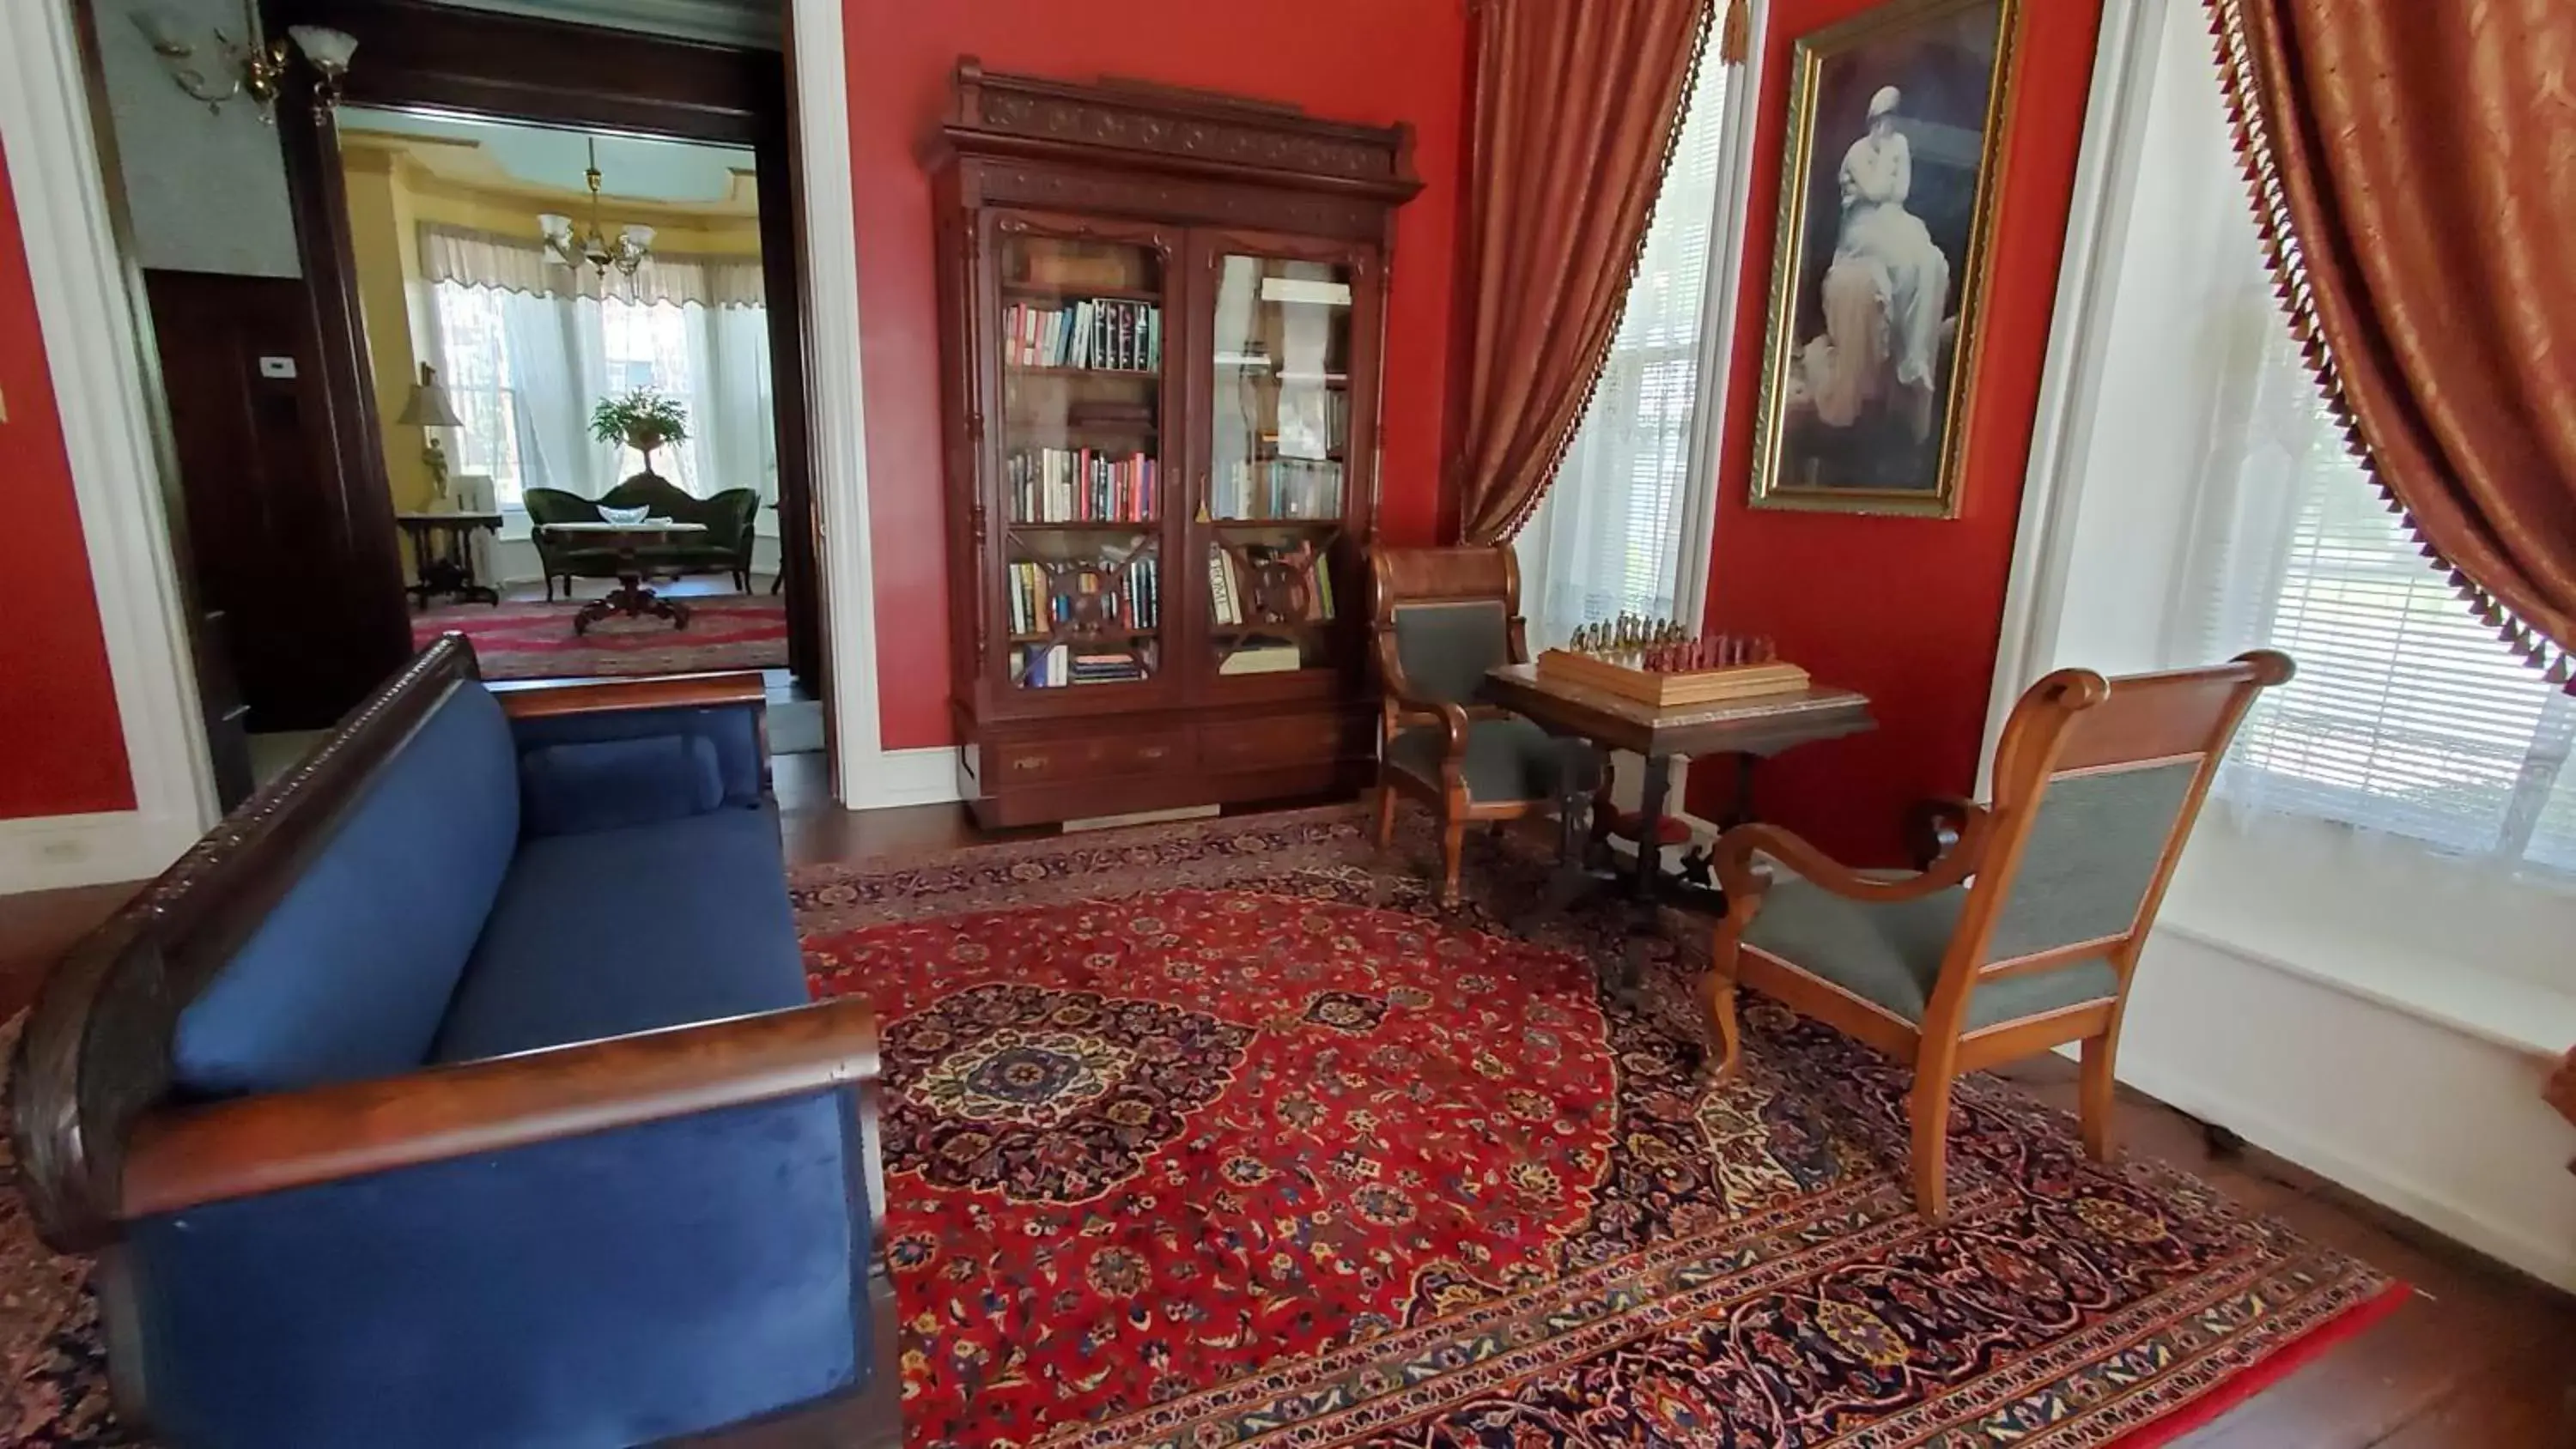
x=643, y=420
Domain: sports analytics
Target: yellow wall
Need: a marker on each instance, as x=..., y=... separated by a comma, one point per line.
x=384, y=240
x=391, y=196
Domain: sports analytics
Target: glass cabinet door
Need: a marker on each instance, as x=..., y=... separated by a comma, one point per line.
x=1278, y=460
x=1081, y=341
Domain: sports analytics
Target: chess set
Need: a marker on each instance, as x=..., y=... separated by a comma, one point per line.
x=1658, y=662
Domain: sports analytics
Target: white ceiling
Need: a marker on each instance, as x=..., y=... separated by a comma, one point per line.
x=629, y=166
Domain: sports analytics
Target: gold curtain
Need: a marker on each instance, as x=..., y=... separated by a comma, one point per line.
x=1575, y=109
x=2413, y=164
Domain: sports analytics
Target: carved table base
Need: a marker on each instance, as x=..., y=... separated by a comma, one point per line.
x=632, y=599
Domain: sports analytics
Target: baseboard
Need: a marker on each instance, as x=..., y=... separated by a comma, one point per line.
x=50, y=852
x=926, y=776
x=2551, y=1262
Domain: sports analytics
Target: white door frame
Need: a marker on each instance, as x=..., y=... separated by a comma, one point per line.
x=95, y=350
x=865, y=774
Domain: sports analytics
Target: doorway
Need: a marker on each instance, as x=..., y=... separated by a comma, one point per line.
x=568, y=336
x=603, y=472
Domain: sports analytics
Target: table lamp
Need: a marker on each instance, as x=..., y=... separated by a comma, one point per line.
x=428, y=409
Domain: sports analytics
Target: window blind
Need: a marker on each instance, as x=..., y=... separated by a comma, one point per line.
x=1608, y=537
x=2408, y=715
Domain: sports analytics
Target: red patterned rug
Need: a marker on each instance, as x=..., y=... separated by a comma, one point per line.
x=536, y=641
x=1228, y=1134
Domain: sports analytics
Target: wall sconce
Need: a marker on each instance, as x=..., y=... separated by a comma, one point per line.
x=328, y=52
x=251, y=65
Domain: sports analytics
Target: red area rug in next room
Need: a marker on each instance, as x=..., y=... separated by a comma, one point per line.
x=1227, y=1134
x=535, y=640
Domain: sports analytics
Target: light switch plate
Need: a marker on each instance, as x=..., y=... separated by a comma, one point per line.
x=277, y=367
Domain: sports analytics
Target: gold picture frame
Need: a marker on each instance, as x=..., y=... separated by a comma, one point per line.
x=1851, y=383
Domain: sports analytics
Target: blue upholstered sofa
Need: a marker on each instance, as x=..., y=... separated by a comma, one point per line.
x=463, y=1089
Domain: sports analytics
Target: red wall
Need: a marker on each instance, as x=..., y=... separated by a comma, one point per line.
x=1906, y=610
x=62, y=751
x=1379, y=61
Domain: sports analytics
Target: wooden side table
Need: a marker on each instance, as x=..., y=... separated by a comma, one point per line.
x=1746, y=728
x=442, y=555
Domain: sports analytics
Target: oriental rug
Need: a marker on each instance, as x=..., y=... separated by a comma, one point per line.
x=532, y=640
x=1229, y=1134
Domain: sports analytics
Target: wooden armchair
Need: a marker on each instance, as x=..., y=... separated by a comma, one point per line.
x=2024, y=934
x=1442, y=617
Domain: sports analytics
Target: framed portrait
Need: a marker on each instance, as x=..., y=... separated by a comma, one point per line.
x=1896, y=119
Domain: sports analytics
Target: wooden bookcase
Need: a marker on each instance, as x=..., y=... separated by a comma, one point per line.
x=1161, y=315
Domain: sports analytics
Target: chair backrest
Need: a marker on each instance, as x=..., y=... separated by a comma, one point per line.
x=554, y=505
x=651, y=490
x=1443, y=616
x=2097, y=784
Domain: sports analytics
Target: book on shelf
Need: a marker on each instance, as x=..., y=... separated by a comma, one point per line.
x=1292, y=488
x=1080, y=485
x=1260, y=654
x=1101, y=334
x=1058, y=666
x=1229, y=592
x=1045, y=598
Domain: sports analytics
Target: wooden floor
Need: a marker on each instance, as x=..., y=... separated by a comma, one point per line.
x=2479, y=1358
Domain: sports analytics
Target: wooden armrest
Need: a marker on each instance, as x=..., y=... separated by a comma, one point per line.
x=180, y=1159
x=1451, y=717
x=603, y=696
x=1732, y=862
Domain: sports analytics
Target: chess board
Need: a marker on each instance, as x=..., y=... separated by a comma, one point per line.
x=1696, y=686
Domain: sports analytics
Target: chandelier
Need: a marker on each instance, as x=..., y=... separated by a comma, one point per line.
x=633, y=245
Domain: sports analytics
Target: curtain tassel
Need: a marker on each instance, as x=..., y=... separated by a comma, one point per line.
x=1735, y=35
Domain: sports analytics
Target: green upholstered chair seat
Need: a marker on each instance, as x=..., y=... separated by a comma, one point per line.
x=1889, y=953
x=1507, y=759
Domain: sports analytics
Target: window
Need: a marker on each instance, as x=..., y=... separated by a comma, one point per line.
x=1610, y=536
x=2408, y=716
x=647, y=345
x=525, y=370
x=477, y=378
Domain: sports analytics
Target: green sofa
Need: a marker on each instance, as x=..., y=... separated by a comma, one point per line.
x=724, y=548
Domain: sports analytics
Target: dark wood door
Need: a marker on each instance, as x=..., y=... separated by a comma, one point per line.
x=311, y=596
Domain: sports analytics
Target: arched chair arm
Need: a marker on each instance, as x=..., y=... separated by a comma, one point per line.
x=1732, y=861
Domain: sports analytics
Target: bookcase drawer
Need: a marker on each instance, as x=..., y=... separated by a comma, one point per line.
x=1291, y=739
x=1025, y=762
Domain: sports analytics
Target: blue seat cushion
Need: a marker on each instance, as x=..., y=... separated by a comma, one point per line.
x=630, y=930
x=584, y=785
x=592, y=1292
x=1889, y=953
x=350, y=973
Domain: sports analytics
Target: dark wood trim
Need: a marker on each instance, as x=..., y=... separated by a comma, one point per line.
x=596, y=696
x=782, y=263
x=283, y=1140
x=95, y=1052
x=376, y=635
x=515, y=67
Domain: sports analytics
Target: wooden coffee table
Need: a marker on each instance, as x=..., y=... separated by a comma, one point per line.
x=630, y=597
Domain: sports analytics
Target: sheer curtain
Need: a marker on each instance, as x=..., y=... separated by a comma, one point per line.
x=525, y=369
x=2409, y=722
x=1608, y=537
